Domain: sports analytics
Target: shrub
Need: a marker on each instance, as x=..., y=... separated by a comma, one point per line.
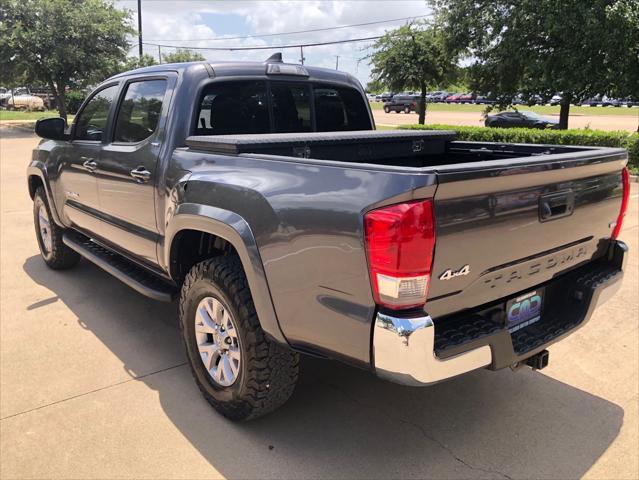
x=73, y=100
x=595, y=138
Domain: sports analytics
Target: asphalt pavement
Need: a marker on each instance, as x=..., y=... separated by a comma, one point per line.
x=93, y=384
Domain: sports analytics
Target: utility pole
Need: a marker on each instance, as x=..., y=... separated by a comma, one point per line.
x=140, y=27
x=336, y=62
x=302, y=55
x=160, y=54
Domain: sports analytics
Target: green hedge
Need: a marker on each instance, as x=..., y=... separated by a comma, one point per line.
x=597, y=138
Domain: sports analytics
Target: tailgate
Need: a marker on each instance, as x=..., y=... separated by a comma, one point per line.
x=505, y=229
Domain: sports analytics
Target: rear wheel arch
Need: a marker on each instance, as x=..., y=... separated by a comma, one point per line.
x=189, y=247
x=220, y=233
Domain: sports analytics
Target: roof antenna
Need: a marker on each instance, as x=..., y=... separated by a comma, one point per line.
x=275, y=58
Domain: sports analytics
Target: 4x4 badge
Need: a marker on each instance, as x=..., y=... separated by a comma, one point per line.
x=448, y=274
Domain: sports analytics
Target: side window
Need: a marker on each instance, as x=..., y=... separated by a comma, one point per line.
x=91, y=122
x=140, y=110
x=339, y=108
x=233, y=108
x=291, y=108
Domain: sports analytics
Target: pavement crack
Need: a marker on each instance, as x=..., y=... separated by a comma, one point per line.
x=418, y=427
x=134, y=379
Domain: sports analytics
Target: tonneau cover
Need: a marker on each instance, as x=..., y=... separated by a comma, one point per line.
x=353, y=145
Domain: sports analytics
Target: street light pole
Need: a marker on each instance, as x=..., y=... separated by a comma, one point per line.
x=140, y=27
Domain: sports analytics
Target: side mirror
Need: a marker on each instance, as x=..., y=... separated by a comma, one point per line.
x=51, y=128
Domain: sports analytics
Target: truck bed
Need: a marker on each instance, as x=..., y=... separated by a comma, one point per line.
x=401, y=148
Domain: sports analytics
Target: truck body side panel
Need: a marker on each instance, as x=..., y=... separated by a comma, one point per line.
x=307, y=223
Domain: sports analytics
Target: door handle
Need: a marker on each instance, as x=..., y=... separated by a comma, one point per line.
x=90, y=165
x=141, y=174
x=557, y=205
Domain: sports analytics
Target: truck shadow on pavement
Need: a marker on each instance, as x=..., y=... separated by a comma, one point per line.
x=342, y=422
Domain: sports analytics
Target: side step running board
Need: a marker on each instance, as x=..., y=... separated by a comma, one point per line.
x=124, y=270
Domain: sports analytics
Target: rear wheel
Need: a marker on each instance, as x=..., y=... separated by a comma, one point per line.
x=53, y=250
x=240, y=372
x=406, y=109
x=387, y=109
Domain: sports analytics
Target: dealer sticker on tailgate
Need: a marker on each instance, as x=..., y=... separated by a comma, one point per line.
x=524, y=310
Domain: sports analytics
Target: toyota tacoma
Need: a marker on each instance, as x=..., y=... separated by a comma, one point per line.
x=262, y=199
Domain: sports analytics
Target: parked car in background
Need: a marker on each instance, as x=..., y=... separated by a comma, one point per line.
x=556, y=99
x=384, y=97
x=610, y=102
x=467, y=98
x=438, y=96
x=524, y=118
x=591, y=102
x=371, y=97
x=402, y=103
x=453, y=98
x=484, y=100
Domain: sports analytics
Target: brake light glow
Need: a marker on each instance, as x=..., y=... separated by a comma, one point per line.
x=400, y=241
x=625, y=180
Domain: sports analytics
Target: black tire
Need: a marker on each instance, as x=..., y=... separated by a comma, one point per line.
x=57, y=256
x=267, y=372
x=387, y=109
x=406, y=109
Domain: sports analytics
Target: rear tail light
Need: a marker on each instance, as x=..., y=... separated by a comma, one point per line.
x=400, y=240
x=625, y=180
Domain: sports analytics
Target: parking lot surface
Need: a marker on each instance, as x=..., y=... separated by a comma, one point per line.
x=93, y=384
x=475, y=119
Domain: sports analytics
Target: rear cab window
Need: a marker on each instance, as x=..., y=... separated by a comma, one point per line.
x=233, y=107
x=253, y=107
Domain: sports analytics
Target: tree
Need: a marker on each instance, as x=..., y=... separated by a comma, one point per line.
x=375, y=86
x=131, y=63
x=61, y=42
x=182, y=55
x=542, y=47
x=412, y=56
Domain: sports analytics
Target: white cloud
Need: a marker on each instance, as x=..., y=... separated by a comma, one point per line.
x=185, y=23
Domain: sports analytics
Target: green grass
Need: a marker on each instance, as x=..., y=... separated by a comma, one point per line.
x=18, y=115
x=386, y=127
x=543, y=110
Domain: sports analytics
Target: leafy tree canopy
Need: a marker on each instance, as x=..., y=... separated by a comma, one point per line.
x=412, y=57
x=182, y=55
x=131, y=63
x=61, y=42
x=574, y=47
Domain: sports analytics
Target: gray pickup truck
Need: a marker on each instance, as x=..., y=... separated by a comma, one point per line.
x=262, y=197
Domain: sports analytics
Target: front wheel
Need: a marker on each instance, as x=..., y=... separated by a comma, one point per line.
x=387, y=109
x=49, y=235
x=240, y=372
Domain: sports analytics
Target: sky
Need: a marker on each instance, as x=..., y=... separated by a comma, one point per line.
x=201, y=23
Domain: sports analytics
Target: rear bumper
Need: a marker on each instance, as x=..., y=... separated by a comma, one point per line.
x=404, y=349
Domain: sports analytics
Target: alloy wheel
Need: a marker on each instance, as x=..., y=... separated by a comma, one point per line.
x=218, y=341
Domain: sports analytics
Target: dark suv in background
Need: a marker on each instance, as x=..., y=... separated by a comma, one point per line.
x=402, y=103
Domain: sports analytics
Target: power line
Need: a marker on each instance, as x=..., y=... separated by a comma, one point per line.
x=268, y=47
x=217, y=39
